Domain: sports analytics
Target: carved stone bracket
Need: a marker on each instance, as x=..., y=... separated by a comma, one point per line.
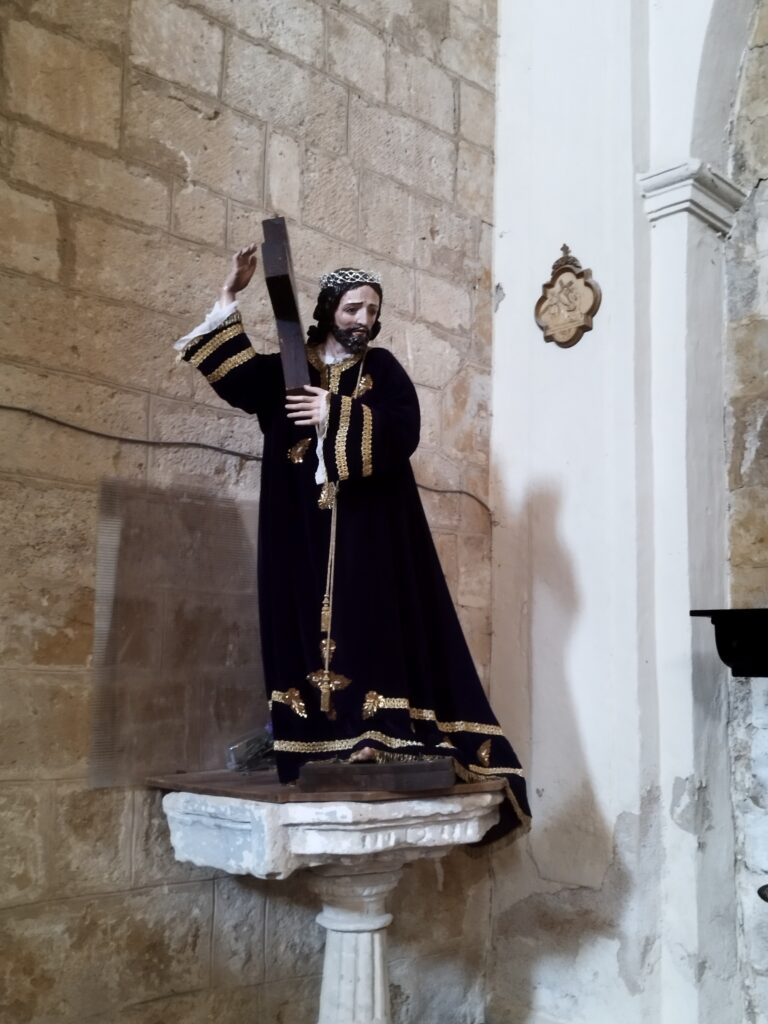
x=695, y=188
x=355, y=851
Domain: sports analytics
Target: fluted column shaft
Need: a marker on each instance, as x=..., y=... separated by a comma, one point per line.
x=355, y=988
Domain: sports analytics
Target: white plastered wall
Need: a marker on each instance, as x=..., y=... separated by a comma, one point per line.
x=608, y=492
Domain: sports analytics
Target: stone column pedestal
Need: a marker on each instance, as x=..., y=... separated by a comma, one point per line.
x=355, y=852
x=355, y=984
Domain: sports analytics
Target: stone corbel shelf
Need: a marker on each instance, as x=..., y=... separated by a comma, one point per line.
x=741, y=636
x=354, y=846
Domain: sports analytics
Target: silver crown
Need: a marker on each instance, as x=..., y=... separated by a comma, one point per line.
x=348, y=276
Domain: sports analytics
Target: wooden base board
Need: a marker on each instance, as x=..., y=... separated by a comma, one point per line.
x=264, y=786
x=391, y=777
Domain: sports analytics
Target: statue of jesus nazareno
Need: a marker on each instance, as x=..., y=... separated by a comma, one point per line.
x=364, y=655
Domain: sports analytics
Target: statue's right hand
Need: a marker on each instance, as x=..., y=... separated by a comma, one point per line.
x=242, y=270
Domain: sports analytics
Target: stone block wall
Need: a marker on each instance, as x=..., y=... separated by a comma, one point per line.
x=747, y=432
x=141, y=142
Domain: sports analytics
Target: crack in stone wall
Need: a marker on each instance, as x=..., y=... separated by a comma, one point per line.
x=747, y=438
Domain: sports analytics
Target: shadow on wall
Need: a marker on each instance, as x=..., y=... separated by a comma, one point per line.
x=562, y=889
x=177, y=657
x=177, y=673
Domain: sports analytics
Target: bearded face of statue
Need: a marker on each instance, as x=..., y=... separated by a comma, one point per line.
x=354, y=318
x=347, y=310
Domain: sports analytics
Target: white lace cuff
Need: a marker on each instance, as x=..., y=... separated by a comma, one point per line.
x=321, y=475
x=215, y=317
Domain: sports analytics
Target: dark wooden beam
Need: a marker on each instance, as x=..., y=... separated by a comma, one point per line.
x=278, y=272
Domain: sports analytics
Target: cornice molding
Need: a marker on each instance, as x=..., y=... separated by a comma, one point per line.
x=694, y=188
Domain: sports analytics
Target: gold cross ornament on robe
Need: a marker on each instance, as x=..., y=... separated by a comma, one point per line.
x=327, y=683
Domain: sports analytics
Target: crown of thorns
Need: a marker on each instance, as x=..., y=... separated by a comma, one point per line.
x=344, y=277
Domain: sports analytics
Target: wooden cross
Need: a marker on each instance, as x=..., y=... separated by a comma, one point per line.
x=278, y=271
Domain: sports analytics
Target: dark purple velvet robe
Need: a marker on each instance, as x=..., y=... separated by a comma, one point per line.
x=414, y=689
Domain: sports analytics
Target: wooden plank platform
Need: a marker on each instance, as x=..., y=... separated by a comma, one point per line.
x=263, y=786
x=431, y=774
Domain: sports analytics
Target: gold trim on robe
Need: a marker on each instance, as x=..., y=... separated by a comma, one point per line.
x=330, y=373
x=375, y=702
x=292, y=698
x=498, y=770
x=329, y=746
x=426, y=715
x=474, y=774
x=230, y=364
x=340, y=446
x=367, y=443
x=215, y=342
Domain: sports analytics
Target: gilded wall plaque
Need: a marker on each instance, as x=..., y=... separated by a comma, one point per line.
x=569, y=301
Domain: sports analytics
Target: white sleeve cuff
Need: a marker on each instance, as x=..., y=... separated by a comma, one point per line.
x=321, y=474
x=215, y=317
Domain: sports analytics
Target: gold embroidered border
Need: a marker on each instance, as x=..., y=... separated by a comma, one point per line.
x=340, y=448
x=290, y=697
x=329, y=746
x=230, y=364
x=334, y=377
x=330, y=373
x=215, y=342
x=313, y=358
x=426, y=715
x=367, y=440
x=481, y=770
x=335, y=371
x=375, y=702
x=469, y=775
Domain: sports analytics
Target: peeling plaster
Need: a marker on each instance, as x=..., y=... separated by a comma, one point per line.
x=691, y=809
x=549, y=945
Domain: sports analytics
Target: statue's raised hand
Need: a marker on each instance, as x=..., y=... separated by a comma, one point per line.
x=240, y=274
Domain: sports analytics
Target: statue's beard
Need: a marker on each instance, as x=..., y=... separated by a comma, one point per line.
x=354, y=339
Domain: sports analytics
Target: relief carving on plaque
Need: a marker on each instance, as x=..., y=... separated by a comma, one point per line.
x=569, y=301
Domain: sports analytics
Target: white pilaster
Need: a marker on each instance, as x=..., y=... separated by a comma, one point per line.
x=690, y=207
